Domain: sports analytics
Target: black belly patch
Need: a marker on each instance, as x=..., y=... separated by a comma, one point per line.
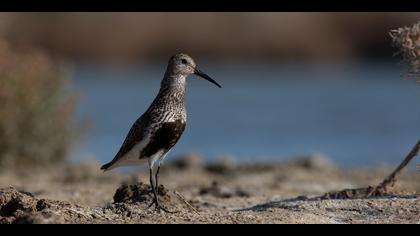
x=164, y=138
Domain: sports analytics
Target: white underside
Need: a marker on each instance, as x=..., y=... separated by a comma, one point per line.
x=131, y=158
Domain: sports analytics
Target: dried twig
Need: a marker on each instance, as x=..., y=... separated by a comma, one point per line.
x=379, y=190
x=186, y=202
x=392, y=178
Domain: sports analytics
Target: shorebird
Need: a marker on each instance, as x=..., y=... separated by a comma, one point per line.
x=156, y=132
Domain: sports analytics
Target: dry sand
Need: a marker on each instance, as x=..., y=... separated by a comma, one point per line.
x=223, y=192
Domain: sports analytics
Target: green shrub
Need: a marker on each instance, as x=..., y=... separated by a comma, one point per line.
x=36, y=126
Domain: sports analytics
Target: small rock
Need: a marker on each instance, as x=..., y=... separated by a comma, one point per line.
x=317, y=162
x=223, y=192
x=39, y=218
x=226, y=165
x=6, y=220
x=188, y=161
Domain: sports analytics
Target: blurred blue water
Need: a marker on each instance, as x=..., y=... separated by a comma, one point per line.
x=356, y=114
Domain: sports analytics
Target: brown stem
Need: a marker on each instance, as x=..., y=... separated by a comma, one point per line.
x=380, y=189
x=392, y=178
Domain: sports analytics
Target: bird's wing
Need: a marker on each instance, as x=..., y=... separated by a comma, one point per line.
x=134, y=136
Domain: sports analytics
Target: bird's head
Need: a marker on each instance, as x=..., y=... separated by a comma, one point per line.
x=183, y=64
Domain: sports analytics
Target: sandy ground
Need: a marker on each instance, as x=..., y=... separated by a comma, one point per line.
x=222, y=192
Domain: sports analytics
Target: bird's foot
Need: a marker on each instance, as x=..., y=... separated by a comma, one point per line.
x=159, y=207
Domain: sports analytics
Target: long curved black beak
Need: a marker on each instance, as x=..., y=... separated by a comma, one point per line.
x=206, y=77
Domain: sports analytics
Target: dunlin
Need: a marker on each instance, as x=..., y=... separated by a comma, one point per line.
x=156, y=132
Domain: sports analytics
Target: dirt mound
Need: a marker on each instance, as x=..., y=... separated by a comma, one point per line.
x=133, y=200
x=140, y=192
x=22, y=207
x=18, y=207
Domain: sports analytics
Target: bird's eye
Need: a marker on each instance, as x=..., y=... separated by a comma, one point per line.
x=183, y=61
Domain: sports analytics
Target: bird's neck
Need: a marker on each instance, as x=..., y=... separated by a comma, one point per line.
x=173, y=87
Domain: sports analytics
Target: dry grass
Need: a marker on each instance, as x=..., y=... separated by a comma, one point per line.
x=36, y=127
x=407, y=40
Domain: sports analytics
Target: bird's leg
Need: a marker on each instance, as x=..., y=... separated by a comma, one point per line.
x=154, y=186
x=157, y=177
